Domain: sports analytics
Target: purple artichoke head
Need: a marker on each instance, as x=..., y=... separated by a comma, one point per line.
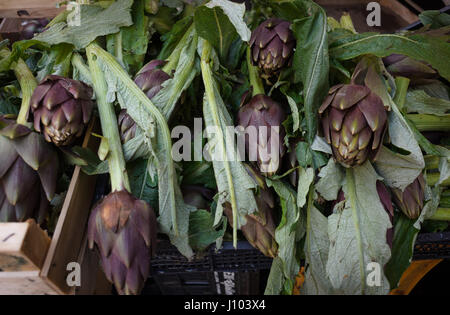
x=412, y=199
x=272, y=45
x=261, y=119
x=260, y=227
x=417, y=71
x=124, y=230
x=354, y=122
x=61, y=107
x=28, y=173
x=150, y=78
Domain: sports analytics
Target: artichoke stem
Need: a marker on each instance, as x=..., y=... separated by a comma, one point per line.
x=27, y=85
x=78, y=63
x=253, y=72
x=402, y=84
x=424, y=122
x=433, y=178
x=210, y=95
x=441, y=214
x=174, y=57
x=110, y=129
x=431, y=162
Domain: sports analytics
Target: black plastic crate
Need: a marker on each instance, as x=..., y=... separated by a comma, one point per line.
x=227, y=259
x=432, y=246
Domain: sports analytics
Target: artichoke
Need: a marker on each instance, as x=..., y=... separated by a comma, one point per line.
x=32, y=27
x=417, y=71
x=28, y=173
x=272, y=45
x=150, y=80
x=127, y=126
x=61, y=107
x=354, y=122
x=269, y=147
x=386, y=201
x=124, y=230
x=260, y=227
x=411, y=200
x=197, y=196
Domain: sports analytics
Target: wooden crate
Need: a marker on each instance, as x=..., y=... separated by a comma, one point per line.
x=31, y=263
x=29, y=8
x=394, y=15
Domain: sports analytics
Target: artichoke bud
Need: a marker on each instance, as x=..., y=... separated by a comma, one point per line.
x=354, y=121
x=261, y=119
x=61, y=107
x=197, y=196
x=417, y=71
x=259, y=229
x=149, y=79
x=124, y=230
x=28, y=173
x=412, y=199
x=272, y=45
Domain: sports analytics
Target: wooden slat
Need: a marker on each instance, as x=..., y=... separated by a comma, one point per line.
x=23, y=246
x=24, y=283
x=34, y=9
x=68, y=236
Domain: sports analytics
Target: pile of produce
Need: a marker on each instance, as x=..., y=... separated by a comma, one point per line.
x=325, y=148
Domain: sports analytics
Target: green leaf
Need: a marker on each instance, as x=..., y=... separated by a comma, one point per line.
x=56, y=61
x=358, y=235
x=202, y=232
x=305, y=179
x=400, y=170
x=402, y=249
x=142, y=185
x=173, y=212
x=424, y=48
x=172, y=38
x=94, y=22
x=185, y=72
x=290, y=229
x=418, y=101
x=233, y=182
x=434, y=18
x=311, y=63
x=276, y=279
x=316, y=248
x=331, y=179
x=135, y=38
x=220, y=22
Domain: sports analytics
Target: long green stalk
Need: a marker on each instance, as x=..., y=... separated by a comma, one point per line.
x=211, y=99
x=253, y=72
x=402, y=84
x=433, y=178
x=78, y=63
x=441, y=214
x=27, y=83
x=425, y=122
x=352, y=198
x=116, y=160
x=172, y=60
